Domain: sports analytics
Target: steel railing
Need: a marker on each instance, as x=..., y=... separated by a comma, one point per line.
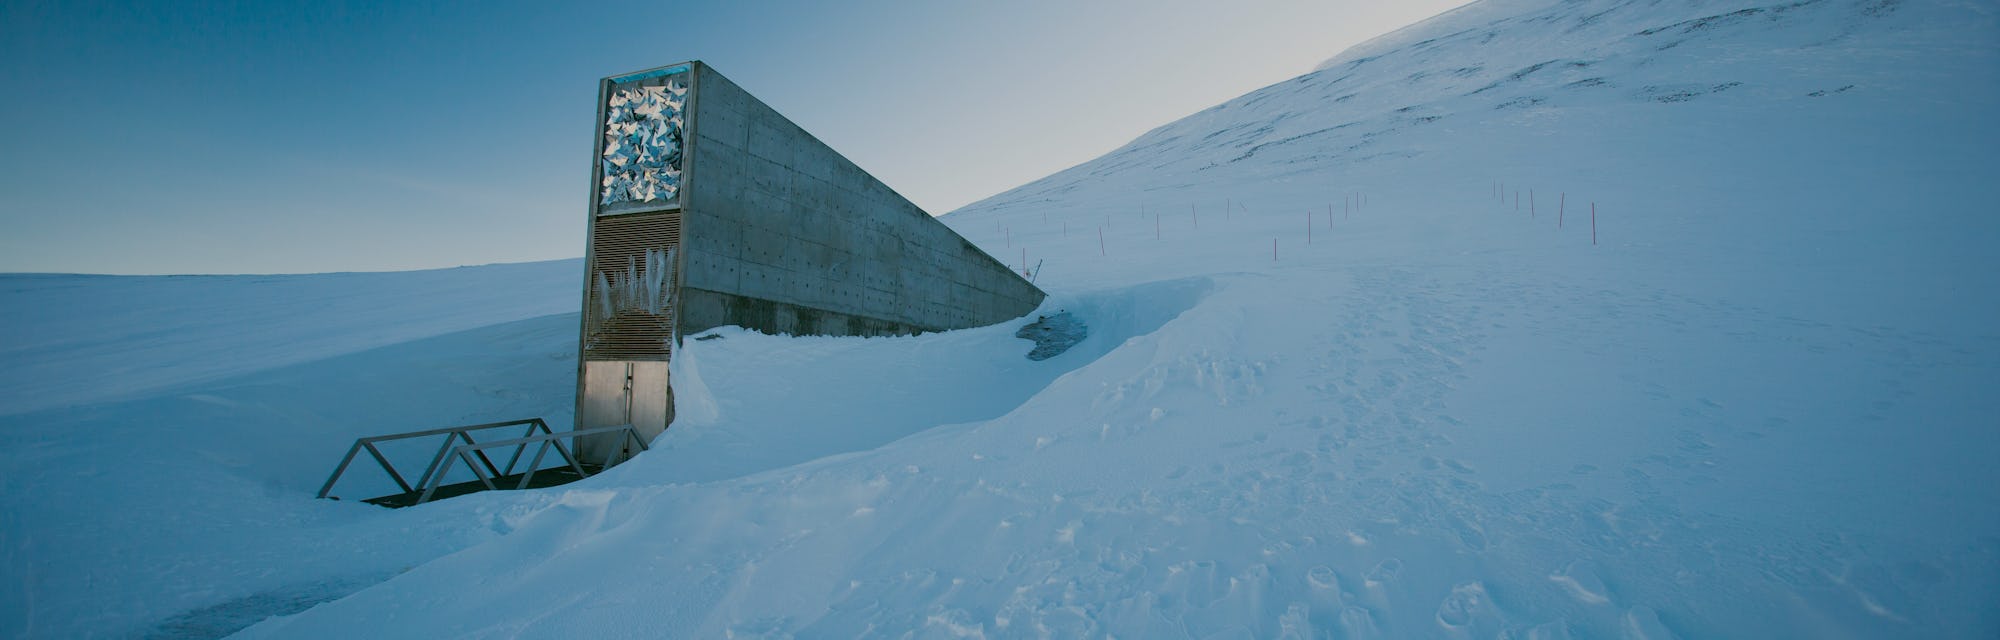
x=473, y=454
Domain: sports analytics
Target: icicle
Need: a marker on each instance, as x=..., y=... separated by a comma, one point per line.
x=605, y=305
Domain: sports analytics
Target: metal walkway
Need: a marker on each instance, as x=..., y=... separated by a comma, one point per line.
x=430, y=485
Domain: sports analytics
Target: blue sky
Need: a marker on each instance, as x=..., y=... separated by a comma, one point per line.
x=287, y=137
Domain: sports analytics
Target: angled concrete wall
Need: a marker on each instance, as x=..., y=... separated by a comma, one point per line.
x=710, y=209
x=784, y=235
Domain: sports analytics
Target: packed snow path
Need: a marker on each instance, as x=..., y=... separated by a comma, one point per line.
x=1750, y=401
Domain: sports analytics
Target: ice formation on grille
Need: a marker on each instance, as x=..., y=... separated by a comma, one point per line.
x=642, y=294
x=642, y=143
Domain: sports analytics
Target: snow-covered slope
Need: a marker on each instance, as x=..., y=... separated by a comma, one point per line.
x=163, y=436
x=95, y=338
x=1753, y=406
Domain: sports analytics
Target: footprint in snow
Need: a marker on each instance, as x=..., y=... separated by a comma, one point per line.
x=1469, y=534
x=1385, y=572
x=1322, y=577
x=1580, y=579
x=1458, y=608
x=1642, y=623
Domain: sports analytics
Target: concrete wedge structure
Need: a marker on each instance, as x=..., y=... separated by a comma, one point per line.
x=708, y=208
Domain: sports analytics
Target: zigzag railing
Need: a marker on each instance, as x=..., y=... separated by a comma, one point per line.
x=473, y=454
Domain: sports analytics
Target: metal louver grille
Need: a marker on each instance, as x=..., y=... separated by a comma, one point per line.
x=629, y=308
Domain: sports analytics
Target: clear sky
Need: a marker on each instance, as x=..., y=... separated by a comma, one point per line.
x=298, y=136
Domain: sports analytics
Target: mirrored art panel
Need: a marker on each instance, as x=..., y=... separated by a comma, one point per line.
x=643, y=143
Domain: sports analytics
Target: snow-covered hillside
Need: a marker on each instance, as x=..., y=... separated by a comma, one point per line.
x=1375, y=394
x=132, y=334
x=164, y=435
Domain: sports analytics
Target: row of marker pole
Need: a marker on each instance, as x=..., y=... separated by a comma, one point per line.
x=1500, y=193
x=1349, y=203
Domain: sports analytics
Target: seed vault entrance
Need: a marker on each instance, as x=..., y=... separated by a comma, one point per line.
x=708, y=208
